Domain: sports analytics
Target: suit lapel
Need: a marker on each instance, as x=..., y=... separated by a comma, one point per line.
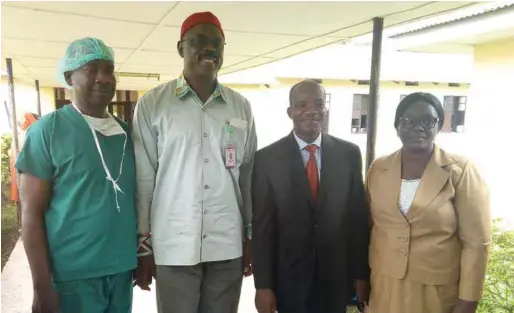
x=327, y=163
x=433, y=180
x=297, y=168
x=392, y=182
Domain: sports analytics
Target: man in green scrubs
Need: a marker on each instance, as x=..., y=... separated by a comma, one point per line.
x=77, y=191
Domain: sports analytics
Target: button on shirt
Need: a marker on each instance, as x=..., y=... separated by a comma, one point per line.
x=305, y=154
x=193, y=205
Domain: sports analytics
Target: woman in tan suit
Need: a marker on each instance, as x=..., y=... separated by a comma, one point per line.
x=431, y=227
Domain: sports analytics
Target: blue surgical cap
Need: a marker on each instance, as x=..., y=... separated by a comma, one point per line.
x=81, y=52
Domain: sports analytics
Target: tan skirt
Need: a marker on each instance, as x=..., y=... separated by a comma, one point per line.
x=390, y=295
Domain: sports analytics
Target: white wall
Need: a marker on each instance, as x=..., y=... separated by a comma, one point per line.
x=272, y=123
x=354, y=62
x=491, y=109
x=26, y=101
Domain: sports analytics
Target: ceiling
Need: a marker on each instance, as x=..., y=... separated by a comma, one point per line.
x=144, y=34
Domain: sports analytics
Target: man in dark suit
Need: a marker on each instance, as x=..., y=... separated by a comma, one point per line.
x=310, y=217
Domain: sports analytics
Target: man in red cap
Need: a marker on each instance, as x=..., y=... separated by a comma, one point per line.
x=195, y=141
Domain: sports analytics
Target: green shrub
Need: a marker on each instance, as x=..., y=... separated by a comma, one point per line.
x=6, y=171
x=499, y=285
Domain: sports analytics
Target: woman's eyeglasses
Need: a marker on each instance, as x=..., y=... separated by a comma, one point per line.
x=426, y=123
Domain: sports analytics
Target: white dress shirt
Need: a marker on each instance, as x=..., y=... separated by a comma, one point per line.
x=306, y=155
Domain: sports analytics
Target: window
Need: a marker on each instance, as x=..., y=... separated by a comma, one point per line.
x=62, y=97
x=123, y=104
x=455, y=113
x=360, y=114
x=327, y=113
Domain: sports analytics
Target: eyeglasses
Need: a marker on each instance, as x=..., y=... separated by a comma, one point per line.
x=202, y=41
x=426, y=123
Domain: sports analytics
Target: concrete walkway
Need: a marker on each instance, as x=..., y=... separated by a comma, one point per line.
x=17, y=289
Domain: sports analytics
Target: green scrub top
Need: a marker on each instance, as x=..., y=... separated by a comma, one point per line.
x=88, y=237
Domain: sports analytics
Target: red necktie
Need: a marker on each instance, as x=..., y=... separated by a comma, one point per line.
x=312, y=171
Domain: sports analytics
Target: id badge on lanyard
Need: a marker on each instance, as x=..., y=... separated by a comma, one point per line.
x=230, y=149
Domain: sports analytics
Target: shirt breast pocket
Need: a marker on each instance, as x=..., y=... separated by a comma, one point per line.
x=234, y=135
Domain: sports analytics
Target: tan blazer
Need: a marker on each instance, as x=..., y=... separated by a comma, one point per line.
x=445, y=236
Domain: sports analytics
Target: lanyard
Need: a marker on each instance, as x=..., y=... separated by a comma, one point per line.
x=109, y=177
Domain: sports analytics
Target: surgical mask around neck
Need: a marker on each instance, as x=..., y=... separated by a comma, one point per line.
x=106, y=126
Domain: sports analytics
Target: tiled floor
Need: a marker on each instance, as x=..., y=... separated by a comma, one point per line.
x=17, y=289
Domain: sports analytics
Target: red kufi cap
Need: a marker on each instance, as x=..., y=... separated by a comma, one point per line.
x=200, y=18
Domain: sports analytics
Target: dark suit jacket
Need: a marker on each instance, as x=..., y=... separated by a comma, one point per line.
x=296, y=243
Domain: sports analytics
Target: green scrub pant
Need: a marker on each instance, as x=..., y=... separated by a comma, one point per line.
x=107, y=294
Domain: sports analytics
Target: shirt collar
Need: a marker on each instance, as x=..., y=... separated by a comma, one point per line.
x=183, y=89
x=302, y=144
